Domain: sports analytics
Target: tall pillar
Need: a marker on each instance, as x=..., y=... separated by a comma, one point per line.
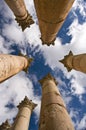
x=51, y=16
x=23, y=118
x=77, y=62
x=54, y=115
x=22, y=15
x=11, y=65
x=5, y=126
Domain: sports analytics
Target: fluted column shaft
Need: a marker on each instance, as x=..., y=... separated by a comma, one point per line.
x=22, y=15
x=54, y=115
x=11, y=65
x=51, y=16
x=23, y=118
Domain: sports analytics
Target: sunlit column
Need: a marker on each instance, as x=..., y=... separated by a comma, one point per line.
x=22, y=15
x=51, y=16
x=11, y=65
x=77, y=62
x=54, y=115
x=23, y=117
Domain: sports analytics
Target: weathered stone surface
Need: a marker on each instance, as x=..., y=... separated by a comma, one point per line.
x=27, y=103
x=23, y=117
x=11, y=65
x=51, y=16
x=47, y=77
x=22, y=15
x=77, y=62
x=53, y=115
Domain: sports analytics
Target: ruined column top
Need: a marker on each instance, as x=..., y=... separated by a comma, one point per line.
x=27, y=103
x=64, y=61
x=47, y=77
x=5, y=125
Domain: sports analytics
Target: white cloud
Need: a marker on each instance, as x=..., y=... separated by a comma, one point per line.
x=81, y=6
x=53, y=54
x=13, y=33
x=37, y=109
x=82, y=123
x=30, y=7
x=19, y=86
x=78, y=84
x=77, y=44
x=13, y=91
x=32, y=35
x=74, y=114
x=78, y=33
x=3, y=47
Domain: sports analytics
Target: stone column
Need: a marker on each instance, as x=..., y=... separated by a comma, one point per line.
x=22, y=15
x=5, y=126
x=23, y=118
x=11, y=65
x=77, y=62
x=51, y=16
x=54, y=115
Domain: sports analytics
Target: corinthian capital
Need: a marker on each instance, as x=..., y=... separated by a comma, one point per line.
x=27, y=103
x=47, y=77
x=5, y=125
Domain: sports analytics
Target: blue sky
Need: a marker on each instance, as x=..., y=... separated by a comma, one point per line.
x=72, y=85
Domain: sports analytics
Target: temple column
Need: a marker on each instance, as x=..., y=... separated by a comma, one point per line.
x=77, y=62
x=23, y=117
x=54, y=115
x=11, y=65
x=5, y=126
x=22, y=15
x=51, y=16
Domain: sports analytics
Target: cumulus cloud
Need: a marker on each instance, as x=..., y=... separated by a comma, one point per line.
x=13, y=33
x=78, y=84
x=80, y=5
x=32, y=35
x=78, y=32
x=82, y=123
x=4, y=48
x=77, y=45
x=14, y=90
